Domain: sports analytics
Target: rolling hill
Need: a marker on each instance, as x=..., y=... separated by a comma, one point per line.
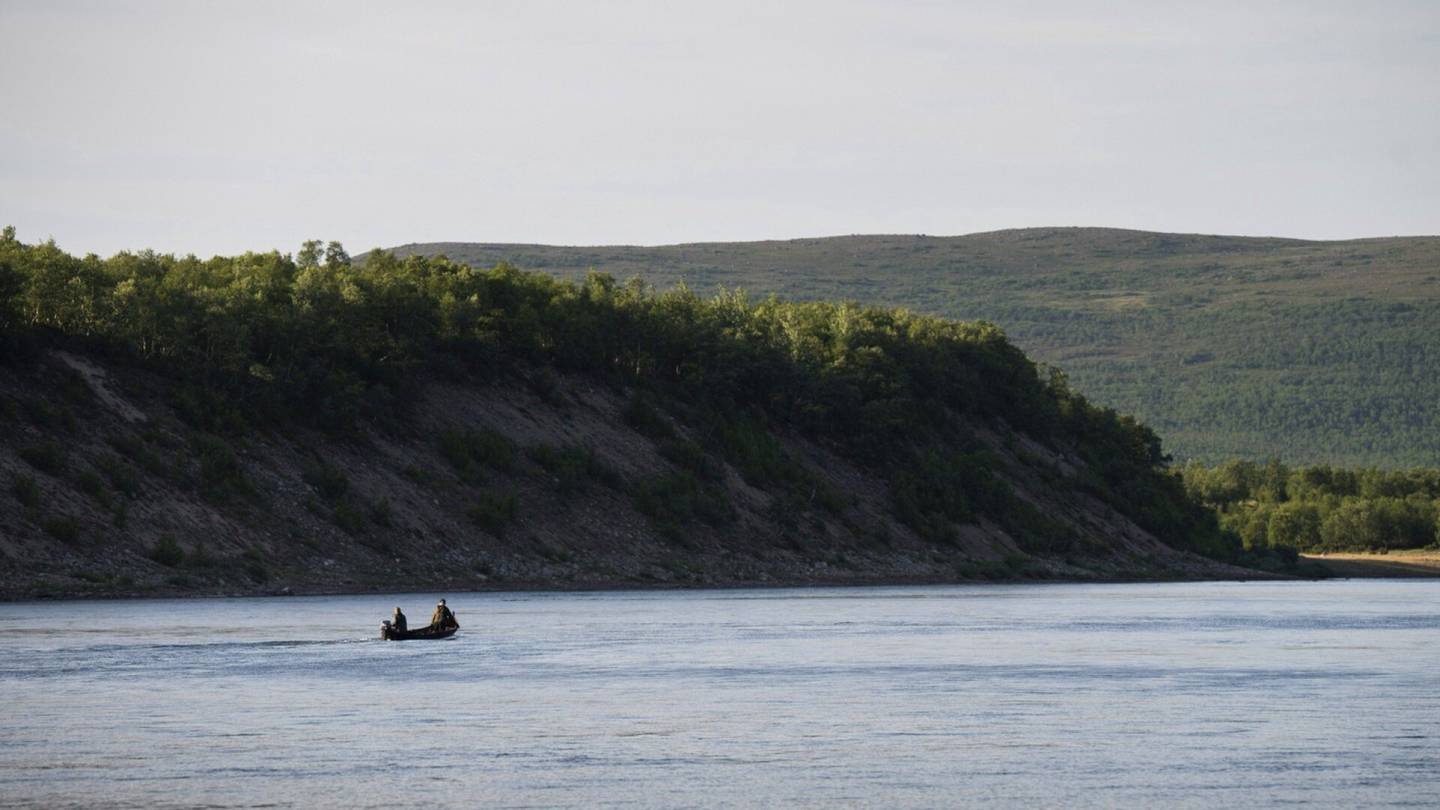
x=1228, y=347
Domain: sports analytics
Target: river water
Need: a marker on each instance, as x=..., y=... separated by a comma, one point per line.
x=1188, y=694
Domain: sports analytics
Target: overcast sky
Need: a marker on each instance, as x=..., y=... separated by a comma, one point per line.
x=221, y=127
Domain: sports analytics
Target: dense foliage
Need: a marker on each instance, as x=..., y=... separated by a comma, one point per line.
x=1312, y=352
x=263, y=338
x=1322, y=508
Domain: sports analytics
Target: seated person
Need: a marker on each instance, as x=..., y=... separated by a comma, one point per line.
x=442, y=617
x=398, y=621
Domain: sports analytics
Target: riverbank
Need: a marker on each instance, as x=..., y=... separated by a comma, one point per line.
x=536, y=479
x=1197, y=570
x=1394, y=564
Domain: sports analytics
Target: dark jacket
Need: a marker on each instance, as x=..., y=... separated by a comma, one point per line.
x=398, y=622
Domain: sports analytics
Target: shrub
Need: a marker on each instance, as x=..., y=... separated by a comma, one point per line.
x=546, y=385
x=751, y=448
x=134, y=448
x=64, y=529
x=121, y=477
x=347, y=517
x=492, y=511
x=39, y=413
x=573, y=468
x=46, y=457
x=254, y=565
x=689, y=456
x=167, y=552
x=678, y=497
x=90, y=483
x=380, y=513
x=640, y=413
x=556, y=553
x=469, y=450
x=220, y=470
x=26, y=491
x=329, y=482
x=200, y=558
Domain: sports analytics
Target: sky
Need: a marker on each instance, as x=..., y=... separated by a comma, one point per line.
x=214, y=127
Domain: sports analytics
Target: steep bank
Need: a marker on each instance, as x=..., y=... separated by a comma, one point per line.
x=259, y=422
x=488, y=485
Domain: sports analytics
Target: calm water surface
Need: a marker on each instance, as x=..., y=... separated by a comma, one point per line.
x=1203, y=695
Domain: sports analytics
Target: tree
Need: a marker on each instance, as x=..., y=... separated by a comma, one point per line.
x=1295, y=525
x=335, y=256
x=309, y=255
x=1354, y=525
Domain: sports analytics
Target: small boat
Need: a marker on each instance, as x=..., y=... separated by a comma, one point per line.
x=389, y=633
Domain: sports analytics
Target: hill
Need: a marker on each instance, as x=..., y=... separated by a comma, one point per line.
x=1229, y=347
x=261, y=423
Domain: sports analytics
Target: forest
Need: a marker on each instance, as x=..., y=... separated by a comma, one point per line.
x=260, y=340
x=1320, y=508
x=1228, y=347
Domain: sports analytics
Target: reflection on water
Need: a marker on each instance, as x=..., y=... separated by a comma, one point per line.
x=1078, y=695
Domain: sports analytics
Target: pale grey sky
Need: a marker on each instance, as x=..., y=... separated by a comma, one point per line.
x=213, y=127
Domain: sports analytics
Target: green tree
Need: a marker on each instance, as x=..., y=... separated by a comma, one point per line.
x=335, y=255
x=309, y=255
x=1294, y=525
x=1353, y=525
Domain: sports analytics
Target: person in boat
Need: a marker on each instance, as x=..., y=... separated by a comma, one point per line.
x=442, y=617
x=398, y=620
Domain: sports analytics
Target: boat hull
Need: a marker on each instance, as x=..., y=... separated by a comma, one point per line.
x=391, y=634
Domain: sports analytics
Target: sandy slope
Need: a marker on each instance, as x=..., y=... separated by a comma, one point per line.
x=1409, y=563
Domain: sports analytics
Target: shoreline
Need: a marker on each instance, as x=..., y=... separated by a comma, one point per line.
x=602, y=587
x=1400, y=564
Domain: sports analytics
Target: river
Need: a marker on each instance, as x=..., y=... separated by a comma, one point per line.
x=1145, y=695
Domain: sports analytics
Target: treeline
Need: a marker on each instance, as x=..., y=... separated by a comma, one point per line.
x=264, y=338
x=1321, y=508
x=1313, y=352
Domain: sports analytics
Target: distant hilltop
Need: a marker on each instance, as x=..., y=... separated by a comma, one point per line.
x=1228, y=346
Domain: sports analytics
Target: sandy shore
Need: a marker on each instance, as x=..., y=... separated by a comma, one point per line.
x=1409, y=563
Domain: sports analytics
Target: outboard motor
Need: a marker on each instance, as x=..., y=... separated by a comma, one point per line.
x=385, y=629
